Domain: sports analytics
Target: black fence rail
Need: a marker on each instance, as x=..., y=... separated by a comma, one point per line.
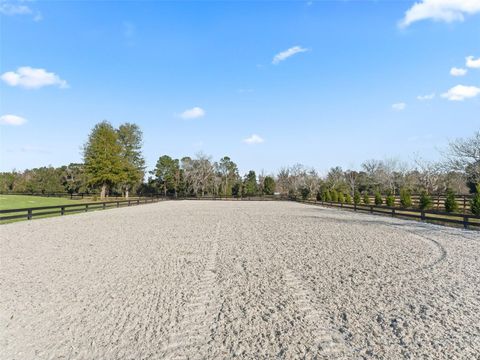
x=438, y=201
x=468, y=221
x=30, y=213
x=72, y=196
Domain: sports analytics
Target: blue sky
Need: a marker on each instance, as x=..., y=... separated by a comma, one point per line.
x=202, y=76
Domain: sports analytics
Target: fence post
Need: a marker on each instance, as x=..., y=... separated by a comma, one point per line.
x=138, y=201
x=464, y=204
x=465, y=221
x=118, y=204
x=62, y=211
x=86, y=208
x=371, y=209
x=104, y=206
x=393, y=212
x=354, y=206
x=29, y=214
x=422, y=215
x=128, y=202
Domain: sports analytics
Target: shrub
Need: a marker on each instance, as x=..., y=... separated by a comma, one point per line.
x=366, y=199
x=305, y=192
x=334, y=195
x=341, y=197
x=450, y=202
x=405, y=198
x=390, y=200
x=425, y=201
x=356, y=198
x=348, y=198
x=378, y=199
x=475, y=202
x=327, y=196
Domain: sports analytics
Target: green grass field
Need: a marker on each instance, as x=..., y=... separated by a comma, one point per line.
x=26, y=201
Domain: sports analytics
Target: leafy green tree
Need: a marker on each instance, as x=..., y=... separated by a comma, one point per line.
x=327, y=196
x=7, y=181
x=250, y=184
x=74, y=178
x=229, y=173
x=341, y=197
x=102, y=157
x=475, y=202
x=130, y=139
x=305, y=192
x=378, y=198
x=451, y=204
x=356, y=198
x=366, y=199
x=268, y=185
x=348, y=198
x=425, y=202
x=405, y=198
x=334, y=195
x=167, y=171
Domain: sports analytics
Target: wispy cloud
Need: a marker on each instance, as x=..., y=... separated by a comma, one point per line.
x=13, y=8
x=461, y=92
x=454, y=71
x=245, y=91
x=471, y=62
x=281, y=56
x=253, y=139
x=129, y=32
x=426, y=97
x=193, y=113
x=440, y=10
x=35, y=149
x=10, y=119
x=399, y=106
x=31, y=78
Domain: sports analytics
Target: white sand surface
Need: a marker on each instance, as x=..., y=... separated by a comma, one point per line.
x=248, y=280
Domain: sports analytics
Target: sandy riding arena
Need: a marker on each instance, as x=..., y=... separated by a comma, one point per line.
x=248, y=280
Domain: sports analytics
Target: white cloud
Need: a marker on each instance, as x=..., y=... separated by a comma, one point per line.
x=193, y=113
x=245, y=91
x=440, y=10
x=472, y=63
x=454, y=71
x=31, y=78
x=461, y=92
x=253, y=139
x=12, y=8
x=426, y=97
x=287, y=53
x=9, y=119
x=399, y=106
x=34, y=149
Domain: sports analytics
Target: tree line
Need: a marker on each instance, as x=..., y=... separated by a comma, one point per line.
x=113, y=163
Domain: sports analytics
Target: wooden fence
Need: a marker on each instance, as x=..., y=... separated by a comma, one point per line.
x=438, y=201
x=466, y=220
x=30, y=213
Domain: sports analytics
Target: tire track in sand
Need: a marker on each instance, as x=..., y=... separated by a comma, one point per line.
x=328, y=342
x=194, y=330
